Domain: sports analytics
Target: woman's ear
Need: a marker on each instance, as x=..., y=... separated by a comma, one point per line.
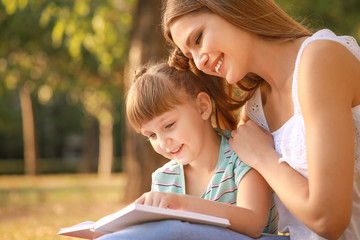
x=205, y=105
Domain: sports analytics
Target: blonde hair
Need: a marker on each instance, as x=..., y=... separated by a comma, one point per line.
x=159, y=88
x=261, y=17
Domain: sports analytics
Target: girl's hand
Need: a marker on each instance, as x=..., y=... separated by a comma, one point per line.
x=163, y=200
x=252, y=143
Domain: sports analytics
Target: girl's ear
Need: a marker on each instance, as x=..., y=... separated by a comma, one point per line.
x=205, y=105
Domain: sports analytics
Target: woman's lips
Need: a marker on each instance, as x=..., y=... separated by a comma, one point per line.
x=218, y=65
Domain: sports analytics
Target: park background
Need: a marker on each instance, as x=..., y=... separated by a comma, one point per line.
x=67, y=154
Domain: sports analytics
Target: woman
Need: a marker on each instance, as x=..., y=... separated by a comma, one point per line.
x=303, y=88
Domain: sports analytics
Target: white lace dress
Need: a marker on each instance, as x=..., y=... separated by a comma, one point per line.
x=290, y=144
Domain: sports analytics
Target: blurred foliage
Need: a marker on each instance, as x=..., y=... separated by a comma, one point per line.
x=340, y=16
x=47, y=166
x=71, y=55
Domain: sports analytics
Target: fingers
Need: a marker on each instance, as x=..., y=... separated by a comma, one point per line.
x=140, y=200
x=147, y=199
x=157, y=199
x=151, y=199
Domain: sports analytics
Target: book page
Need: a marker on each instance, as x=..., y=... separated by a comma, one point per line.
x=134, y=214
x=137, y=213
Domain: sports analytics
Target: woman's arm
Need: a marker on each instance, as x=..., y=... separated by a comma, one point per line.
x=326, y=93
x=249, y=217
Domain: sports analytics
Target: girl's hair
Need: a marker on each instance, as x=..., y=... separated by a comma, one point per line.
x=261, y=17
x=160, y=87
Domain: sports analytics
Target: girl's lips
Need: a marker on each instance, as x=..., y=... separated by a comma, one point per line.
x=176, y=150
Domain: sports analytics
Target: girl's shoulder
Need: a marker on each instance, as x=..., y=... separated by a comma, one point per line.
x=171, y=167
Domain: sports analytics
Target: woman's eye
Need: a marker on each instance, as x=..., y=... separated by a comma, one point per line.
x=170, y=125
x=198, y=39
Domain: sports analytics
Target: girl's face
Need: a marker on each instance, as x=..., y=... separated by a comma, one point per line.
x=217, y=47
x=178, y=133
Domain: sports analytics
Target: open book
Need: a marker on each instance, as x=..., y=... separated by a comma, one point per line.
x=136, y=214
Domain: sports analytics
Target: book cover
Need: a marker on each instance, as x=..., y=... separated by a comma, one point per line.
x=136, y=214
x=81, y=230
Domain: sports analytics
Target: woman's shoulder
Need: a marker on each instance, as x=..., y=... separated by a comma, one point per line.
x=319, y=49
x=327, y=66
x=325, y=45
x=328, y=58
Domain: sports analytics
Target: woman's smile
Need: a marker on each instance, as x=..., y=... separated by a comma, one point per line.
x=218, y=65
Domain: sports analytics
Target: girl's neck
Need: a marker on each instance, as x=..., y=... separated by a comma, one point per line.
x=198, y=174
x=210, y=153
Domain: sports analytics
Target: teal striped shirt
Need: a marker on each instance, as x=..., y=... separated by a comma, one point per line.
x=223, y=185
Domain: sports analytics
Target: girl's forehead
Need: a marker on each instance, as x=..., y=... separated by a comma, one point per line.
x=158, y=119
x=170, y=115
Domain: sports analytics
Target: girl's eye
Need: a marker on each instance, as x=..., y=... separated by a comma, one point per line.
x=151, y=136
x=198, y=39
x=170, y=125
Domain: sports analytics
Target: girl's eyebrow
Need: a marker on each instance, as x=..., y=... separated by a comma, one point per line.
x=142, y=132
x=160, y=120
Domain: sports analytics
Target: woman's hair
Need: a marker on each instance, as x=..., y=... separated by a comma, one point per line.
x=261, y=17
x=159, y=88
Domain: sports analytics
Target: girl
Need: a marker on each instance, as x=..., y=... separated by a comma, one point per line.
x=173, y=109
x=302, y=130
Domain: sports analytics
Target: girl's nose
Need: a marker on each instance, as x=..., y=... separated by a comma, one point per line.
x=164, y=142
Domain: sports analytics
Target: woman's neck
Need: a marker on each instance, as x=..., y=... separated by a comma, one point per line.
x=275, y=62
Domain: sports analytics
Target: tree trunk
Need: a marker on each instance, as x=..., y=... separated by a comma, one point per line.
x=147, y=43
x=106, y=147
x=89, y=159
x=28, y=131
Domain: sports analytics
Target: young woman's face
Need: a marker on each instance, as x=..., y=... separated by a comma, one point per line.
x=177, y=134
x=217, y=47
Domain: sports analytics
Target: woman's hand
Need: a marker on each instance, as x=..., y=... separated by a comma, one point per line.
x=163, y=200
x=252, y=143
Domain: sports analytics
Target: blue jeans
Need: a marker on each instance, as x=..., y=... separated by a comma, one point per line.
x=178, y=230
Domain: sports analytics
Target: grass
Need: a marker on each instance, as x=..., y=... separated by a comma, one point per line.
x=37, y=207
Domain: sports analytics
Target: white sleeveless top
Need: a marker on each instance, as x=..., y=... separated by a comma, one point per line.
x=289, y=142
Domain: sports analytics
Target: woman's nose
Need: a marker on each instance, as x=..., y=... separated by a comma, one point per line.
x=201, y=61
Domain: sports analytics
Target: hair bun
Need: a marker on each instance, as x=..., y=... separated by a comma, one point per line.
x=178, y=60
x=139, y=72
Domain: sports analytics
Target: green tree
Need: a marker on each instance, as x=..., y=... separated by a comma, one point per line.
x=147, y=43
x=340, y=16
x=77, y=47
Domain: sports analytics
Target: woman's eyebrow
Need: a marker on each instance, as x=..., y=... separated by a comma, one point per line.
x=188, y=41
x=193, y=31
